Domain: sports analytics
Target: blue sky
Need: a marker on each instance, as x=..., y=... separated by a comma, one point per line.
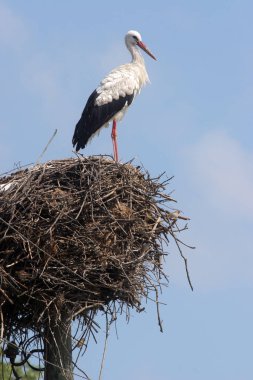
x=194, y=121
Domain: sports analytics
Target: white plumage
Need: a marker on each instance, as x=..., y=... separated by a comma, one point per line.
x=114, y=94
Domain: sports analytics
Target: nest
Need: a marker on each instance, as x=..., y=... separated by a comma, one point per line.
x=83, y=234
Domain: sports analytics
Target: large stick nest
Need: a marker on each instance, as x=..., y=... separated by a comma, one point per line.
x=81, y=233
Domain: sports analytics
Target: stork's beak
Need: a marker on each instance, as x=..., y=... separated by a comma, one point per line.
x=144, y=47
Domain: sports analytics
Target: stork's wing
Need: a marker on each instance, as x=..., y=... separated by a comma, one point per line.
x=94, y=117
x=114, y=93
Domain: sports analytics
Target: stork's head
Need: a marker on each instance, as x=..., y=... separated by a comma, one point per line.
x=133, y=38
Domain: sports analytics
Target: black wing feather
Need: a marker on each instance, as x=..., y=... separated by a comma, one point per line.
x=94, y=117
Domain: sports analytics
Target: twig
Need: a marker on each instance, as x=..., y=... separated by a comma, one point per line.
x=158, y=311
x=185, y=261
x=45, y=149
x=105, y=347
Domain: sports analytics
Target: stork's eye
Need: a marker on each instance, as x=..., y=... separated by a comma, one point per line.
x=135, y=38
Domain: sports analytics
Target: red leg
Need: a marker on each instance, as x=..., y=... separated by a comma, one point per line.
x=114, y=140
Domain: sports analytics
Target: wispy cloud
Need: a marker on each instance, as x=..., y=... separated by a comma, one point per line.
x=220, y=170
x=12, y=29
x=40, y=76
x=223, y=170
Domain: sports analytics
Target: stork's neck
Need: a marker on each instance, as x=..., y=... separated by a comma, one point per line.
x=136, y=55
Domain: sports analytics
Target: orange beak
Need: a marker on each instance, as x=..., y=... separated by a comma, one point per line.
x=144, y=47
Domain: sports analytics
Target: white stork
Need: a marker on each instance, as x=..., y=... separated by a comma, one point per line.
x=114, y=95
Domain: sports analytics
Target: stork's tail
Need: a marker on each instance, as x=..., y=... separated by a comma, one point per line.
x=80, y=137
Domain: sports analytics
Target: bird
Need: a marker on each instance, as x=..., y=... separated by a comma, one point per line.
x=115, y=93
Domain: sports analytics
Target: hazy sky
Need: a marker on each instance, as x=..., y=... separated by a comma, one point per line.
x=194, y=121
